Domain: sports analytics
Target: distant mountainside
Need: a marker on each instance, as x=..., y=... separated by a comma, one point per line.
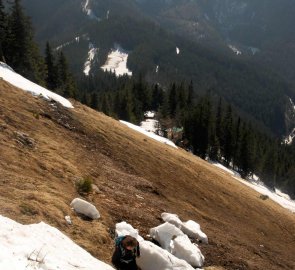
x=212, y=43
x=263, y=29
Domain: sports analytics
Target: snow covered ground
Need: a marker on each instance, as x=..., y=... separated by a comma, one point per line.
x=153, y=257
x=89, y=12
x=117, y=63
x=7, y=74
x=277, y=196
x=235, y=49
x=149, y=134
x=75, y=40
x=91, y=55
x=42, y=247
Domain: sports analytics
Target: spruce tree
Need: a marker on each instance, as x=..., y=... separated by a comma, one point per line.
x=22, y=53
x=3, y=29
x=51, y=78
x=228, y=135
x=65, y=83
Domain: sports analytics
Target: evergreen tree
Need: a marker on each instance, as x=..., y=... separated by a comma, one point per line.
x=3, y=29
x=22, y=53
x=190, y=95
x=51, y=78
x=228, y=135
x=65, y=82
x=94, y=101
x=172, y=103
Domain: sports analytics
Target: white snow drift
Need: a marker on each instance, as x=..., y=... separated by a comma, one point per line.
x=117, y=63
x=42, y=247
x=7, y=74
x=152, y=256
x=85, y=208
x=149, y=134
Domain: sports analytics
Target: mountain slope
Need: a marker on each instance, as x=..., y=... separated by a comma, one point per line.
x=146, y=30
x=45, y=148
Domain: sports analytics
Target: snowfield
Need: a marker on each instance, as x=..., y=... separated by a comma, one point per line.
x=42, y=247
x=117, y=63
x=7, y=74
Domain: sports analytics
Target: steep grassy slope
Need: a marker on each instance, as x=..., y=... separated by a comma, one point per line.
x=44, y=148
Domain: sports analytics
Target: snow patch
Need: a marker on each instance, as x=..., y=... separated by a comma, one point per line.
x=19, y=81
x=281, y=200
x=75, y=40
x=117, y=63
x=152, y=257
x=91, y=56
x=255, y=183
x=89, y=12
x=235, y=49
x=149, y=134
x=40, y=246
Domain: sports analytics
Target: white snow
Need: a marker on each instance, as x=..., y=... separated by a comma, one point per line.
x=89, y=12
x=225, y=168
x=235, y=49
x=7, y=74
x=150, y=125
x=281, y=200
x=152, y=257
x=117, y=63
x=41, y=247
x=257, y=185
x=177, y=50
x=164, y=234
x=157, y=69
x=75, y=40
x=182, y=248
x=91, y=56
x=289, y=139
x=172, y=218
x=191, y=228
x=85, y=208
x=149, y=134
x=149, y=114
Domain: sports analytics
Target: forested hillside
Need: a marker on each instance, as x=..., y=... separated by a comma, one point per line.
x=231, y=111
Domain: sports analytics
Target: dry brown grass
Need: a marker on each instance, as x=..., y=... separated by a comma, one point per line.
x=37, y=182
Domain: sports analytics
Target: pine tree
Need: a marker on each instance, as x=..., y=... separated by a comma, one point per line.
x=172, y=102
x=190, y=95
x=51, y=78
x=3, y=29
x=228, y=135
x=65, y=82
x=22, y=53
x=94, y=101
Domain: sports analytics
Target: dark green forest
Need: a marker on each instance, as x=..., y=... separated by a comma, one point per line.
x=212, y=127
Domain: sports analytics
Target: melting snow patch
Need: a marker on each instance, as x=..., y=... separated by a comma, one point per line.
x=235, y=50
x=40, y=246
x=89, y=11
x=153, y=257
x=19, y=81
x=91, y=55
x=282, y=200
x=149, y=134
x=117, y=63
